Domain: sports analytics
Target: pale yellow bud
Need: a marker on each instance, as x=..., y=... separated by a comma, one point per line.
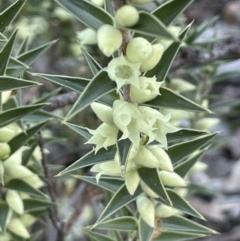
x=171, y=179
x=87, y=36
x=34, y=181
x=148, y=191
x=146, y=209
x=99, y=3
x=158, y=50
x=132, y=180
x=5, y=237
x=6, y=95
x=6, y=134
x=14, y=201
x=139, y=50
x=162, y=157
x=164, y=211
x=5, y=151
x=1, y=172
x=16, y=158
x=103, y=112
x=140, y=1
x=17, y=227
x=148, y=90
x=27, y=220
x=207, y=123
x=127, y=16
x=182, y=192
x=198, y=167
x=16, y=171
x=62, y=14
x=109, y=39
x=180, y=85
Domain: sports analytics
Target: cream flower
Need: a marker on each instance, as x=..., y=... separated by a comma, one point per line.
x=148, y=90
x=105, y=135
x=159, y=125
x=123, y=72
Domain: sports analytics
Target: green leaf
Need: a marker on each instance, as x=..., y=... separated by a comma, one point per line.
x=40, y=115
x=178, y=236
x=28, y=154
x=89, y=14
x=123, y=224
x=21, y=186
x=120, y=199
x=182, y=150
x=169, y=11
x=31, y=204
x=111, y=184
x=92, y=63
x=97, y=236
x=15, y=64
x=99, y=86
x=123, y=147
x=225, y=76
x=162, y=68
x=145, y=231
x=90, y=159
x=6, y=53
x=172, y=100
x=218, y=106
x=4, y=210
x=12, y=115
x=10, y=83
x=150, y=25
x=152, y=180
x=46, y=97
x=9, y=14
x=23, y=137
x=184, y=134
x=184, y=167
x=24, y=46
x=179, y=223
x=83, y=131
x=182, y=205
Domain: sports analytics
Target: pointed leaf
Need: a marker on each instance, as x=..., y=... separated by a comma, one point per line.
x=184, y=134
x=97, y=236
x=10, y=13
x=6, y=53
x=16, y=64
x=152, y=180
x=123, y=224
x=218, y=106
x=83, y=131
x=145, y=231
x=10, y=83
x=31, y=204
x=23, y=137
x=182, y=150
x=4, y=210
x=150, y=25
x=90, y=159
x=24, y=46
x=123, y=147
x=182, y=205
x=108, y=183
x=100, y=85
x=179, y=223
x=225, y=76
x=172, y=100
x=184, y=167
x=169, y=11
x=9, y=116
x=46, y=97
x=121, y=198
x=89, y=14
x=92, y=63
x=21, y=186
x=162, y=68
x=178, y=236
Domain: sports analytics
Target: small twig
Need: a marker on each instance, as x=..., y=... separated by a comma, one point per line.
x=53, y=212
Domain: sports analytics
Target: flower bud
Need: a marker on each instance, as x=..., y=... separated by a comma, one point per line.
x=5, y=151
x=87, y=36
x=6, y=134
x=164, y=211
x=158, y=50
x=146, y=209
x=198, y=167
x=109, y=39
x=16, y=171
x=1, y=173
x=14, y=201
x=123, y=72
x=16, y=157
x=139, y=50
x=207, y=123
x=99, y=3
x=105, y=135
x=34, y=181
x=180, y=85
x=103, y=112
x=171, y=179
x=27, y=219
x=132, y=181
x=148, y=191
x=6, y=95
x=17, y=227
x=140, y=1
x=127, y=16
x=148, y=90
x=62, y=14
x=162, y=157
